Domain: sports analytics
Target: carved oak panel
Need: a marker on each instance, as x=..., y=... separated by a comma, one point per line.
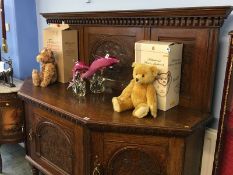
x=134, y=161
x=54, y=145
x=126, y=158
x=117, y=42
x=195, y=62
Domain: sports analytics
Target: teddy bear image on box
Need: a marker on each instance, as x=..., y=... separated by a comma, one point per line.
x=48, y=73
x=140, y=93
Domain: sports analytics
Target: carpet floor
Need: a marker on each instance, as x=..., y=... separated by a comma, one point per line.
x=13, y=160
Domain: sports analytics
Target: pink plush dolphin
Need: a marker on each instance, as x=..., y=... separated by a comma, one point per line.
x=98, y=64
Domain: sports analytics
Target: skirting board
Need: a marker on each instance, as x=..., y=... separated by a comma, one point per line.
x=22, y=144
x=208, y=151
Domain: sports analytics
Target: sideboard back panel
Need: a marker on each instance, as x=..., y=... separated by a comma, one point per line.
x=194, y=64
x=116, y=32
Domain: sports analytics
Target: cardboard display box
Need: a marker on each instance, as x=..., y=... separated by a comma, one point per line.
x=167, y=56
x=64, y=44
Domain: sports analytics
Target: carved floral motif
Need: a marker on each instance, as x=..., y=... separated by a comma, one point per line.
x=132, y=161
x=116, y=46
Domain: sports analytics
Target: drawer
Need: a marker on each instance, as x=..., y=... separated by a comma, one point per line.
x=11, y=103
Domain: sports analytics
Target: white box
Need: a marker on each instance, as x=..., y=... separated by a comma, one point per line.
x=167, y=56
x=64, y=43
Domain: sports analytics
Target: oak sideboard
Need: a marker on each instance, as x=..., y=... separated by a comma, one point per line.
x=84, y=136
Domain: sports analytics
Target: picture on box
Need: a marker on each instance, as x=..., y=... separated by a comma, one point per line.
x=162, y=83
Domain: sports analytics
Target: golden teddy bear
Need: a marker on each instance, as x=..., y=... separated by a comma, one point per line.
x=140, y=93
x=48, y=74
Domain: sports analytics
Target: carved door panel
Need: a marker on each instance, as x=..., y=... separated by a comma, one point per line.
x=117, y=42
x=52, y=145
x=120, y=154
x=195, y=53
x=129, y=159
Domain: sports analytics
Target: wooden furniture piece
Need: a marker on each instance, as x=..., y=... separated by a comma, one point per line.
x=11, y=116
x=66, y=135
x=224, y=147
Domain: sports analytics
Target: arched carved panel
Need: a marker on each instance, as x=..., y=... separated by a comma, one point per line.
x=54, y=145
x=134, y=161
x=117, y=42
x=113, y=46
x=117, y=46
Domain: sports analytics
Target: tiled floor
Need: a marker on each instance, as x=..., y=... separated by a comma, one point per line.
x=13, y=160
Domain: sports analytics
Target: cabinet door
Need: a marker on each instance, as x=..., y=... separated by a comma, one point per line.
x=51, y=143
x=117, y=42
x=120, y=154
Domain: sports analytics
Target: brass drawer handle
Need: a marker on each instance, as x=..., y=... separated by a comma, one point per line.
x=96, y=171
x=30, y=137
x=22, y=128
x=97, y=167
x=7, y=104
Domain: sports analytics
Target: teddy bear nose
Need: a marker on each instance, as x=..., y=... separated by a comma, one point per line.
x=137, y=79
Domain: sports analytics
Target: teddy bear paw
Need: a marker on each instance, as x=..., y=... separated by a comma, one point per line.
x=44, y=84
x=141, y=111
x=154, y=114
x=35, y=77
x=116, y=105
x=34, y=71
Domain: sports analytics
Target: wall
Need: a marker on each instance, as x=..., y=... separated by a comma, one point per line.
x=27, y=36
x=22, y=38
x=45, y=6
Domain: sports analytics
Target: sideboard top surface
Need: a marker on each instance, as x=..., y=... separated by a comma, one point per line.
x=96, y=112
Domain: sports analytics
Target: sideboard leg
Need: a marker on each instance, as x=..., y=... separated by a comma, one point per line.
x=35, y=171
x=0, y=161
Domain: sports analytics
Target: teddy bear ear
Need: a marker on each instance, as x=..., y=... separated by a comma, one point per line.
x=134, y=64
x=49, y=52
x=43, y=50
x=38, y=58
x=154, y=70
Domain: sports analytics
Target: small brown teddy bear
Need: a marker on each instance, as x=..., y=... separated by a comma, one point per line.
x=140, y=93
x=48, y=74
